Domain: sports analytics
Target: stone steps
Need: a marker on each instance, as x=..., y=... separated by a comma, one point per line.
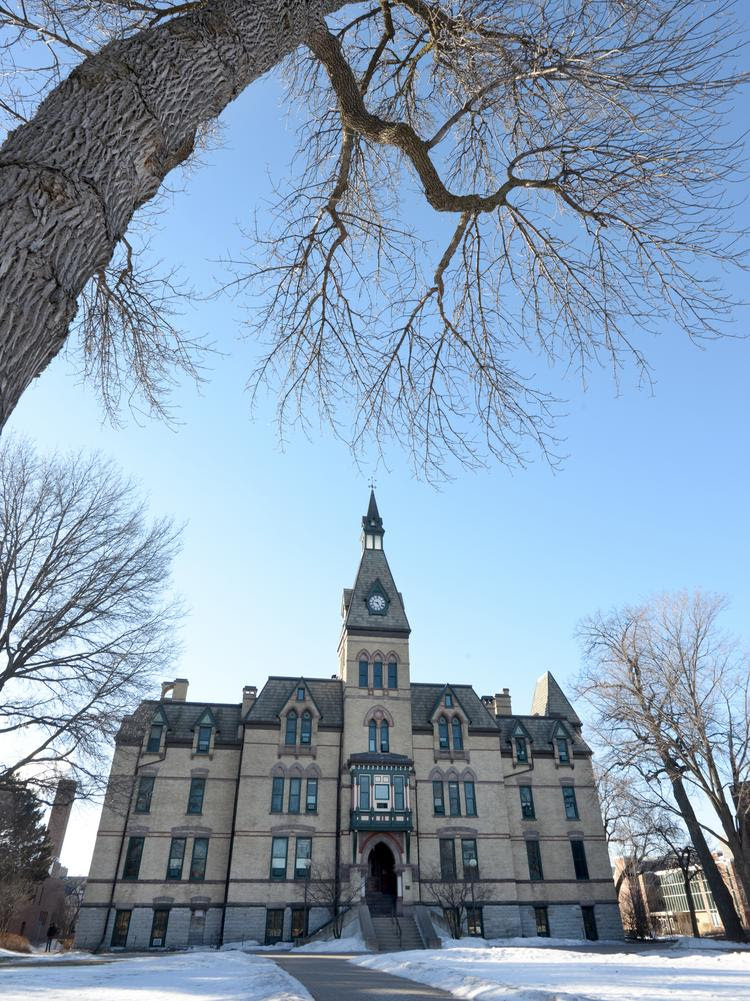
x=387, y=933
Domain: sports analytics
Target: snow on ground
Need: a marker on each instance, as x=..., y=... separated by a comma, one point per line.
x=553, y=973
x=210, y=976
x=354, y=943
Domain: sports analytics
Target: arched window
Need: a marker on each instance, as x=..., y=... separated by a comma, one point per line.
x=372, y=742
x=443, y=733
x=291, y=728
x=306, y=729
x=458, y=737
x=384, y=735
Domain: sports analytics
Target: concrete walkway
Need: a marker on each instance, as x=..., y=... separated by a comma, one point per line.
x=332, y=978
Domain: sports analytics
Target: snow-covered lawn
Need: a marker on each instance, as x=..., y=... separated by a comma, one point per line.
x=209, y=976
x=548, y=973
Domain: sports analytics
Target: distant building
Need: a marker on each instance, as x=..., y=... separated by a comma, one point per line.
x=220, y=816
x=47, y=906
x=656, y=896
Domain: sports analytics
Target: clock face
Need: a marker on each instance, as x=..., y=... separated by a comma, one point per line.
x=376, y=603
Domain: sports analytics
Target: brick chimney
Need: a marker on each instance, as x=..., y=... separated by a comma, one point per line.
x=60, y=815
x=502, y=703
x=249, y=695
x=178, y=688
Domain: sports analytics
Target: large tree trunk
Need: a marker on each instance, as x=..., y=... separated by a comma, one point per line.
x=722, y=897
x=100, y=146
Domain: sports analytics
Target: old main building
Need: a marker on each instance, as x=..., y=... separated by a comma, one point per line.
x=221, y=821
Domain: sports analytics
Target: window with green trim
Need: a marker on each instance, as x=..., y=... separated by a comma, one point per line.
x=454, y=800
x=295, y=790
x=569, y=801
x=277, y=794
x=133, y=858
x=447, y=859
x=145, y=792
x=198, y=860
x=377, y=674
x=392, y=675
x=470, y=799
x=363, y=674
x=438, y=798
x=176, y=858
x=534, y=856
x=311, y=796
x=195, y=796
x=279, y=849
x=527, y=802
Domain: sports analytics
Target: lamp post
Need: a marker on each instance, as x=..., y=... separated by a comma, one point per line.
x=472, y=876
x=307, y=863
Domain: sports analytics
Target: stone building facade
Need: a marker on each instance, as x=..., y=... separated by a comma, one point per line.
x=227, y=823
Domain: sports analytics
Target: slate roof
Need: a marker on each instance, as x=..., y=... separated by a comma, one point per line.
x=424, y=698
x=181, y=719
x=540, y=730
x=327, y=694
x=374, y=567
x=550, y=700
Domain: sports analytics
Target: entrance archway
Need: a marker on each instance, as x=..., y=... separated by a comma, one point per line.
x=382, y=884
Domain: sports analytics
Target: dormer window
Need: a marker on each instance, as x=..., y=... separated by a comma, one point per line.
x=154, y=738
x=458, y=737
x=522, y=750
x=203, y=744
x=448, y=700
x=290, y=735
x=306, y=728
x=301, y=694
x=443, y=734
x=563, y=751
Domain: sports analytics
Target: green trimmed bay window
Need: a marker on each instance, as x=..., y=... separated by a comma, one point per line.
x=380, y=796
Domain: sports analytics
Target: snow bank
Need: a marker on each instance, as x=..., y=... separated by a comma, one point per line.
x=354, y=943
x=530, y=973
x=717, y=944
x=194, y=976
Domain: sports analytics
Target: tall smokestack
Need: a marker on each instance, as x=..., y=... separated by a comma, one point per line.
x=60, y=815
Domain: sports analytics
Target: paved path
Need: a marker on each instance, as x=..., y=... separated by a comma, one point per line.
x=332, y=978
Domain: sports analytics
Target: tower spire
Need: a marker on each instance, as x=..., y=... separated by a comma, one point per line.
x=372, y=524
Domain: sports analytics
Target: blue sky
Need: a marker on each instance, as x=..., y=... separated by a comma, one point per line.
x=496, y=567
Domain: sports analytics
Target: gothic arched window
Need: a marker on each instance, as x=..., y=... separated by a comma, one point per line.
x=458, y=737
x=306, y=729
x=443, y=733
x=291, y=728
x=372, y=740
x=384, y=735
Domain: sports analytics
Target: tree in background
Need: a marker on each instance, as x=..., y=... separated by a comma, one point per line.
x=25, y=854
x=84, y=621
x=327, y=890
x=577, y=154
x=456, y=897
x=671, y=696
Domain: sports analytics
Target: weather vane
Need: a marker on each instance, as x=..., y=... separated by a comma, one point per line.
x=372, y=483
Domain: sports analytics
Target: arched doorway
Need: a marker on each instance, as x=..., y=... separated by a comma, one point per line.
x=381, y=879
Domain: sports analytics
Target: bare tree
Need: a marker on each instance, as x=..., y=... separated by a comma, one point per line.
x=456, y=897
x=328, y=890
x=84, y=621
x=575, y=150
x=671, y=697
